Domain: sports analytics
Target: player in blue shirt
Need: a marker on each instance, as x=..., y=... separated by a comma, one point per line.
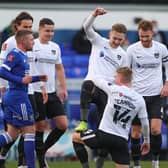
x=17, y=108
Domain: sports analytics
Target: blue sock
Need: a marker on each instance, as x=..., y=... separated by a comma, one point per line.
x=29, y=149
x=5, y=138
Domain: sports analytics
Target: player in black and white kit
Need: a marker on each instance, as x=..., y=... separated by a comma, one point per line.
x=146, y=57
x=122, y=106
x=106, y=56
x=48, y=61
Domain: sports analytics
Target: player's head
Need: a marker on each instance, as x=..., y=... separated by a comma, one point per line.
x=117, y=35
x=145, y=31
x=23, y=21
x=123, y=76
x=46, y=30
x=24, y=40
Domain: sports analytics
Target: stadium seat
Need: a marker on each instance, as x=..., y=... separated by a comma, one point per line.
x=67, y=61
x=79, y=72
x=81, y=60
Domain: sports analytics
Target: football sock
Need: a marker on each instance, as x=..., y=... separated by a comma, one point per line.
x=135, y=150
x=53, y=137
x=29, y=147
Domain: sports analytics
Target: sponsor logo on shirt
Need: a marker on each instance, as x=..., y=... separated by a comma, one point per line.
x=119, y=57
x=101, y=54
x=138, y=56
x=53, y=52
x=150, y=65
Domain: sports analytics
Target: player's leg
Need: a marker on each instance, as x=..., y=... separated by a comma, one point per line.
x=136, y=133
x=8, y=138
x=155, y=115
x=40, y=115
x=4, y=150
x=29, y=145
x=56, y=112
x=80, y=150
x=100, y=99
x=85, y=100
x=156, y=141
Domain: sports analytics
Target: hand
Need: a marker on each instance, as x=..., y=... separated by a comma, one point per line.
x=63, y=95
x=99, y=11
x=44, y=94
x=26, y=79
x=145, y=148
x=43, y=78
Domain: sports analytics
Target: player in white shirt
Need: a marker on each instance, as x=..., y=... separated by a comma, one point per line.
x=122, y=106
x=106, y=56
x=147, y=57
x=23, y=21
x=48, y=61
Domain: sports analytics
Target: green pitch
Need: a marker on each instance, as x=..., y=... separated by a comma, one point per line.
x=76, y=164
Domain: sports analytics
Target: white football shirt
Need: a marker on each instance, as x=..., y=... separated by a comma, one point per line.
x=146, y=64
x=122, y=106
x=46, y=57
x=104, y=60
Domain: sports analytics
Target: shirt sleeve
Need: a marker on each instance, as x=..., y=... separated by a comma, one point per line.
x=142, y=112
x=5, y=71
x=129, y=57
x=165, y=61
x=91, y=34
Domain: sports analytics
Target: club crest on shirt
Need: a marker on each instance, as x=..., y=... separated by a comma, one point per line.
x=119, y=57
x=156, y=55
x=10, y=57
x=101, y=54
x=53, y=52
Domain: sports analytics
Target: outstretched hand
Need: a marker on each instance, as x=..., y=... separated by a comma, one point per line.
x=99, y=11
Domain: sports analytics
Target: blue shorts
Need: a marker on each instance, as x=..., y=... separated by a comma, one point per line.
x=17, y=109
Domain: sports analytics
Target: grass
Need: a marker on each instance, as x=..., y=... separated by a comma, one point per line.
x=76, y=164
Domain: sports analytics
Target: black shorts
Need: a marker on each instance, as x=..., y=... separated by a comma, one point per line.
x=115, y=145
x=51, y=109
x=153, y=106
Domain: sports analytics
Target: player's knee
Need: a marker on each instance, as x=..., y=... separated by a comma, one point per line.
x=155, y=130
x=136, y=132
x=61, y=123
x=87, y=88
x=76, y=137
x=86, y=92
x=40, y=126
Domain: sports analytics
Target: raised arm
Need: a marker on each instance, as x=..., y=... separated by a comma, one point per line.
x=88, y=23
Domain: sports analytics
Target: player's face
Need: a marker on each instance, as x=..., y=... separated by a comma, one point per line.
x=28, y=42
x=46, y=33
x=25, y=25
x=116, y=39
x=117, y=78
x=145, y=37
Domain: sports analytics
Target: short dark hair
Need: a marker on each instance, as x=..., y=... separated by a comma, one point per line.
x=145, y=25
x=126, y=73
x=120, y=28
x=45, y=21
x=22, y=33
